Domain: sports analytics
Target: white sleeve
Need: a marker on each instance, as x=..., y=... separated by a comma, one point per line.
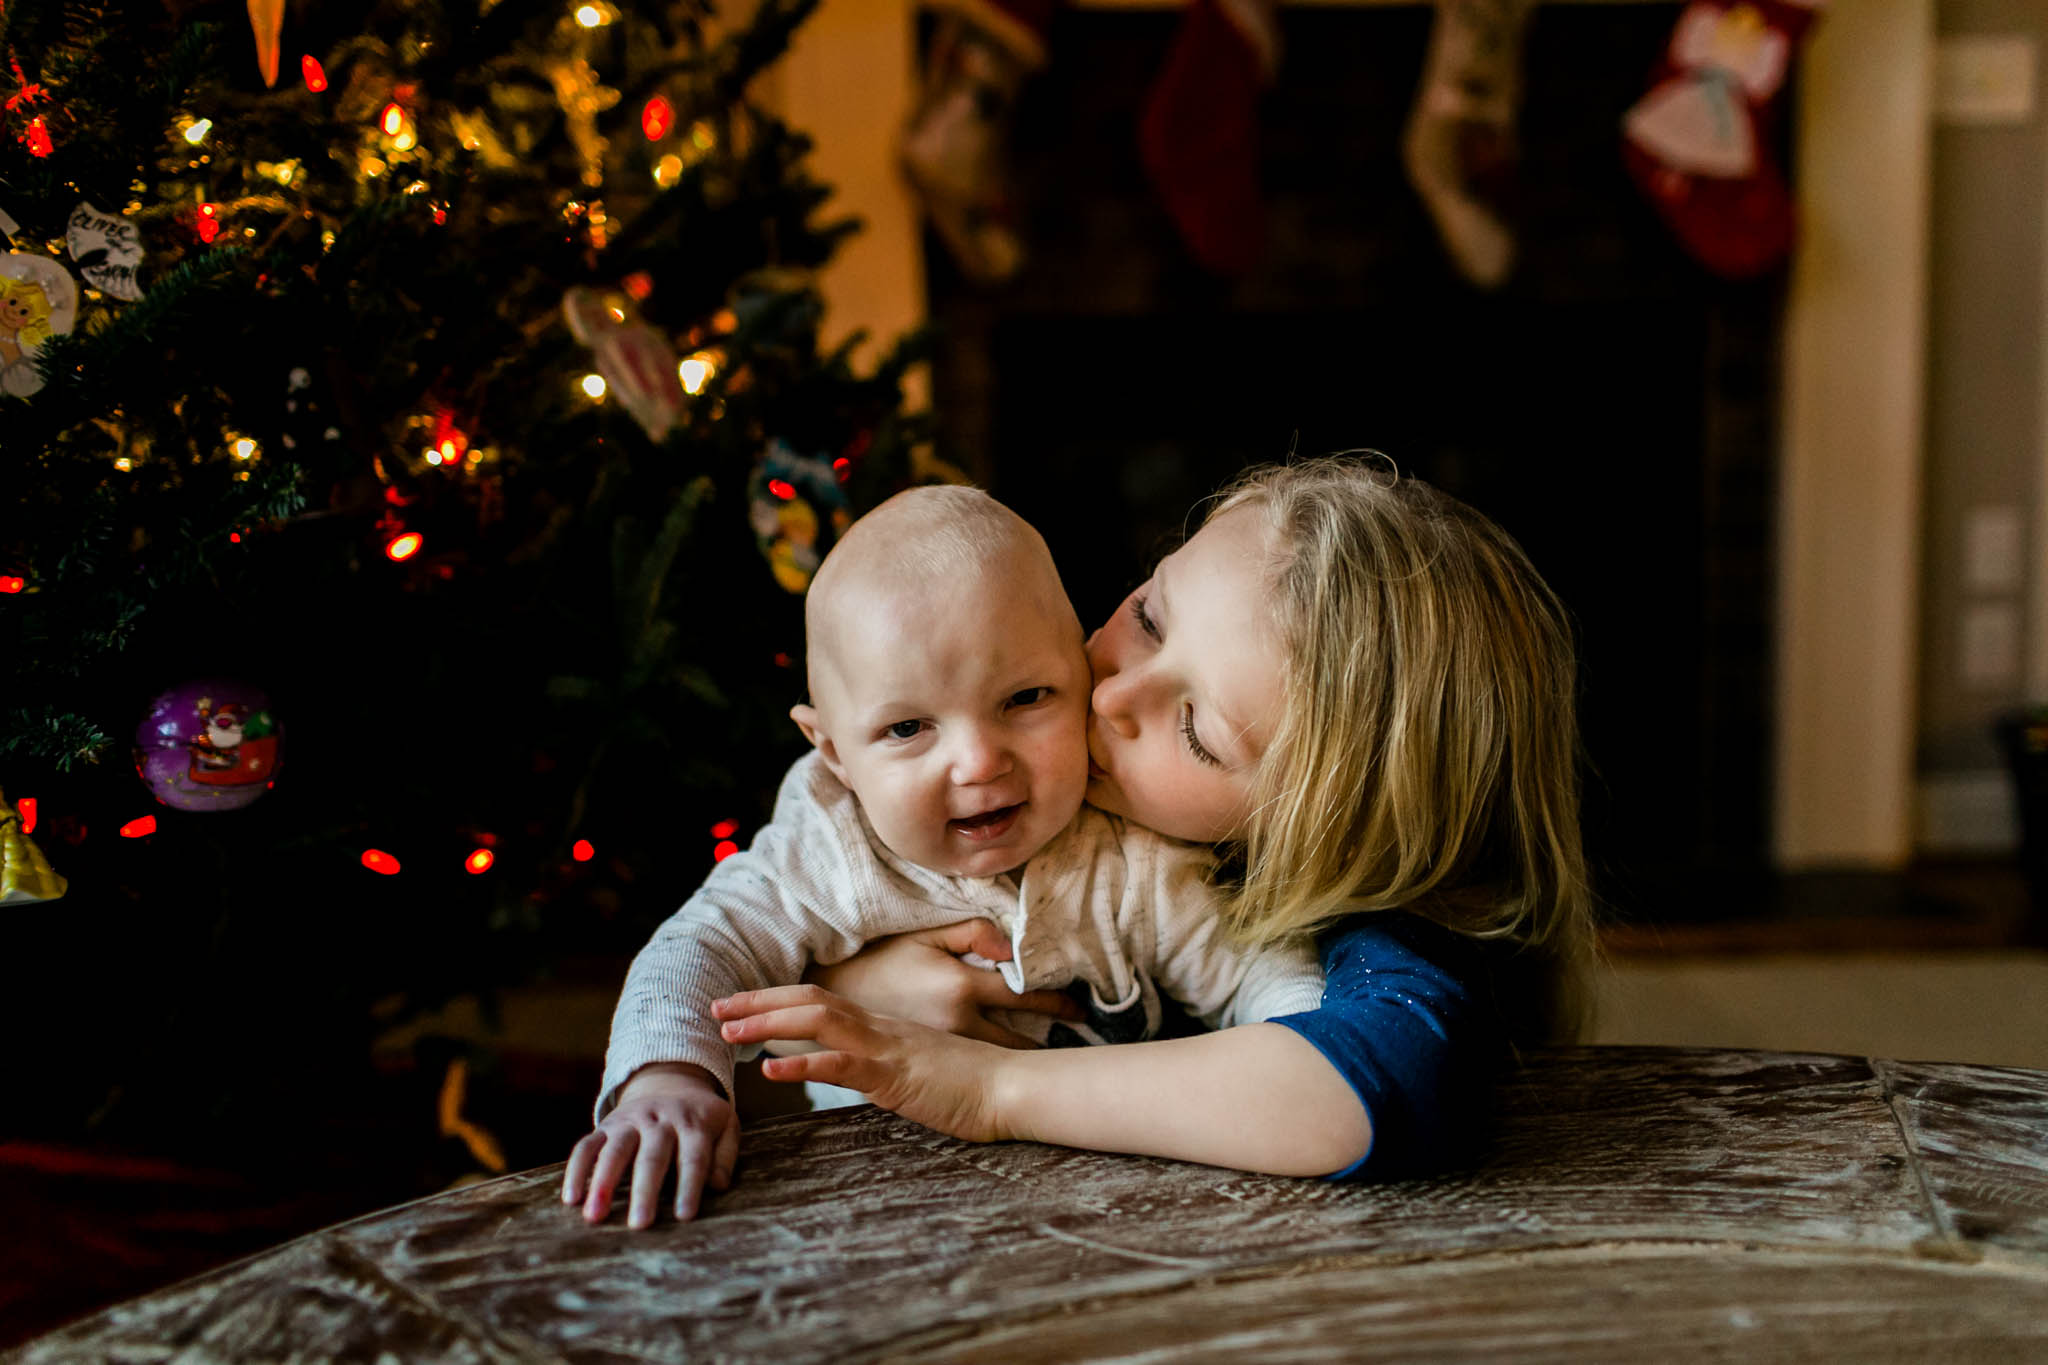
x=1194, y=960
x=763, y=915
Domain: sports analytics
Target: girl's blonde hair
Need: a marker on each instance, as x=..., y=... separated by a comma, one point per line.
x=36, y=330
x=1427, y=754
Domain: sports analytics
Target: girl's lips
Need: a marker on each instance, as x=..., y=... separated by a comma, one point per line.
x=989, y=825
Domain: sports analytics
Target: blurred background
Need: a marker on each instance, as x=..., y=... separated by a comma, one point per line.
x=1732, y=314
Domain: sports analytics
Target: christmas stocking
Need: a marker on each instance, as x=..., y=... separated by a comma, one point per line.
x=1696, y=143
x=953, y=150
x=1199, y=131
x=1460, y=143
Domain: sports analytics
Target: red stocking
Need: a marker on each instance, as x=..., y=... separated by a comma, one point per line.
x=1199, y=132
x=1697, y=143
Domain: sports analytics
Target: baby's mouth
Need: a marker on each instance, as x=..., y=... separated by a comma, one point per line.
x=990, y=824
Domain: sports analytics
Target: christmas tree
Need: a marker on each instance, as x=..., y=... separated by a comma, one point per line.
x=418, y=439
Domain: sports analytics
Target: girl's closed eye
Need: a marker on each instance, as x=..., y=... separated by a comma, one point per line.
x=1195, y=745
x=1145, y=621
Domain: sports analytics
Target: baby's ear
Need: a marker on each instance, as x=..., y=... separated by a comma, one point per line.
x=813, y=725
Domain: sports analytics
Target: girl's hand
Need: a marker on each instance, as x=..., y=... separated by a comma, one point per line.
x=670, y=1116
x=920, y=977
x=929, y=1077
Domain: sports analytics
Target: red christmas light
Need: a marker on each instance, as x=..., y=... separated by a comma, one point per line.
x=582, y=851
x=208, y=222
x=724, y=849
x=234, y=537
x=783, y=661
x=842, y=467
x=782, y=488
x=9, y=583
x=139, y=829
x=377, y=860
x=39, y=137
x=639, y=284
x=27, y=807
x=393, y=120
x=315, y=74
x=725, y=829
x=449, y=440
x=403, y=546
x=657, y=116
x=440, y=215
x=480, y=861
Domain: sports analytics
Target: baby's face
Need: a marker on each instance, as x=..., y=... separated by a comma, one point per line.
x=958, y=716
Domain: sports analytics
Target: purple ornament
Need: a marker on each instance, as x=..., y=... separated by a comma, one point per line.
x=209, y=745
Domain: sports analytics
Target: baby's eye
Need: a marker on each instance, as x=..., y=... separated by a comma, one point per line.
x=905, y=729
x=1030, y=696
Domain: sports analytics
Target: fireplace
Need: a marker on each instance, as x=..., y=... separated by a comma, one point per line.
x=1614, y=406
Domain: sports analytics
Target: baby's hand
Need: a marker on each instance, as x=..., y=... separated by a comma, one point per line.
x=919, y=976
x=668, y=1114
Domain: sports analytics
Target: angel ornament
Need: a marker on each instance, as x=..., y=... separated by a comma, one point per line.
x=38, y=300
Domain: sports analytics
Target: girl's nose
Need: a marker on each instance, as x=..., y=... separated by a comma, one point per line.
x=1112, y=702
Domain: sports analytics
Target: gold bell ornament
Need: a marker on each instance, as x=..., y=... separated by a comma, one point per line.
x=25, y=875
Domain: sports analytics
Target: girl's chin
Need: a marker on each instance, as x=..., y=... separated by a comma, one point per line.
x=1104, y=794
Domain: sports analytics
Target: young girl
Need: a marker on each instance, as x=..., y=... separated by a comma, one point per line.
x=1363, y=689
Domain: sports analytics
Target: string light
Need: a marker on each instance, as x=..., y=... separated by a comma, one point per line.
x=196, y=131
x=11, y=583
x=139, y=829
x=782, y=488
x=315, y=74
x=403, y=546
x=209, y=222
x=593, y=384
x=725, y=829
x=27, y=807
x=582, y=851
x=393, y=120
x=695, y=371
x=479, y=861
x=39, y=137
x=593, y=16
x=657, y=116
x=667, y=170
x=724, y=849
x=245, y=449
x=377, y=860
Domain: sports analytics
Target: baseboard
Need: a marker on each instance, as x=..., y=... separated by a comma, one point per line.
x=1966, y=812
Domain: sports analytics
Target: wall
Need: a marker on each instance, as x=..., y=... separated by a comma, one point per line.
x=1984, y=445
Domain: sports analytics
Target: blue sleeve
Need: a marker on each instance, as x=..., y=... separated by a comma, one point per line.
x=1407, y=1019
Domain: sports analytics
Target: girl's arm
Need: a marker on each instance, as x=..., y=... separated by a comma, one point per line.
x=1257, y=1098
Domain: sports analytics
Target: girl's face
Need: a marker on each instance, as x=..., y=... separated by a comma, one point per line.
x=1187, y=686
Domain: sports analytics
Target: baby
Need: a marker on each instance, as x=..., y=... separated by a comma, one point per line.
x=949, y=695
